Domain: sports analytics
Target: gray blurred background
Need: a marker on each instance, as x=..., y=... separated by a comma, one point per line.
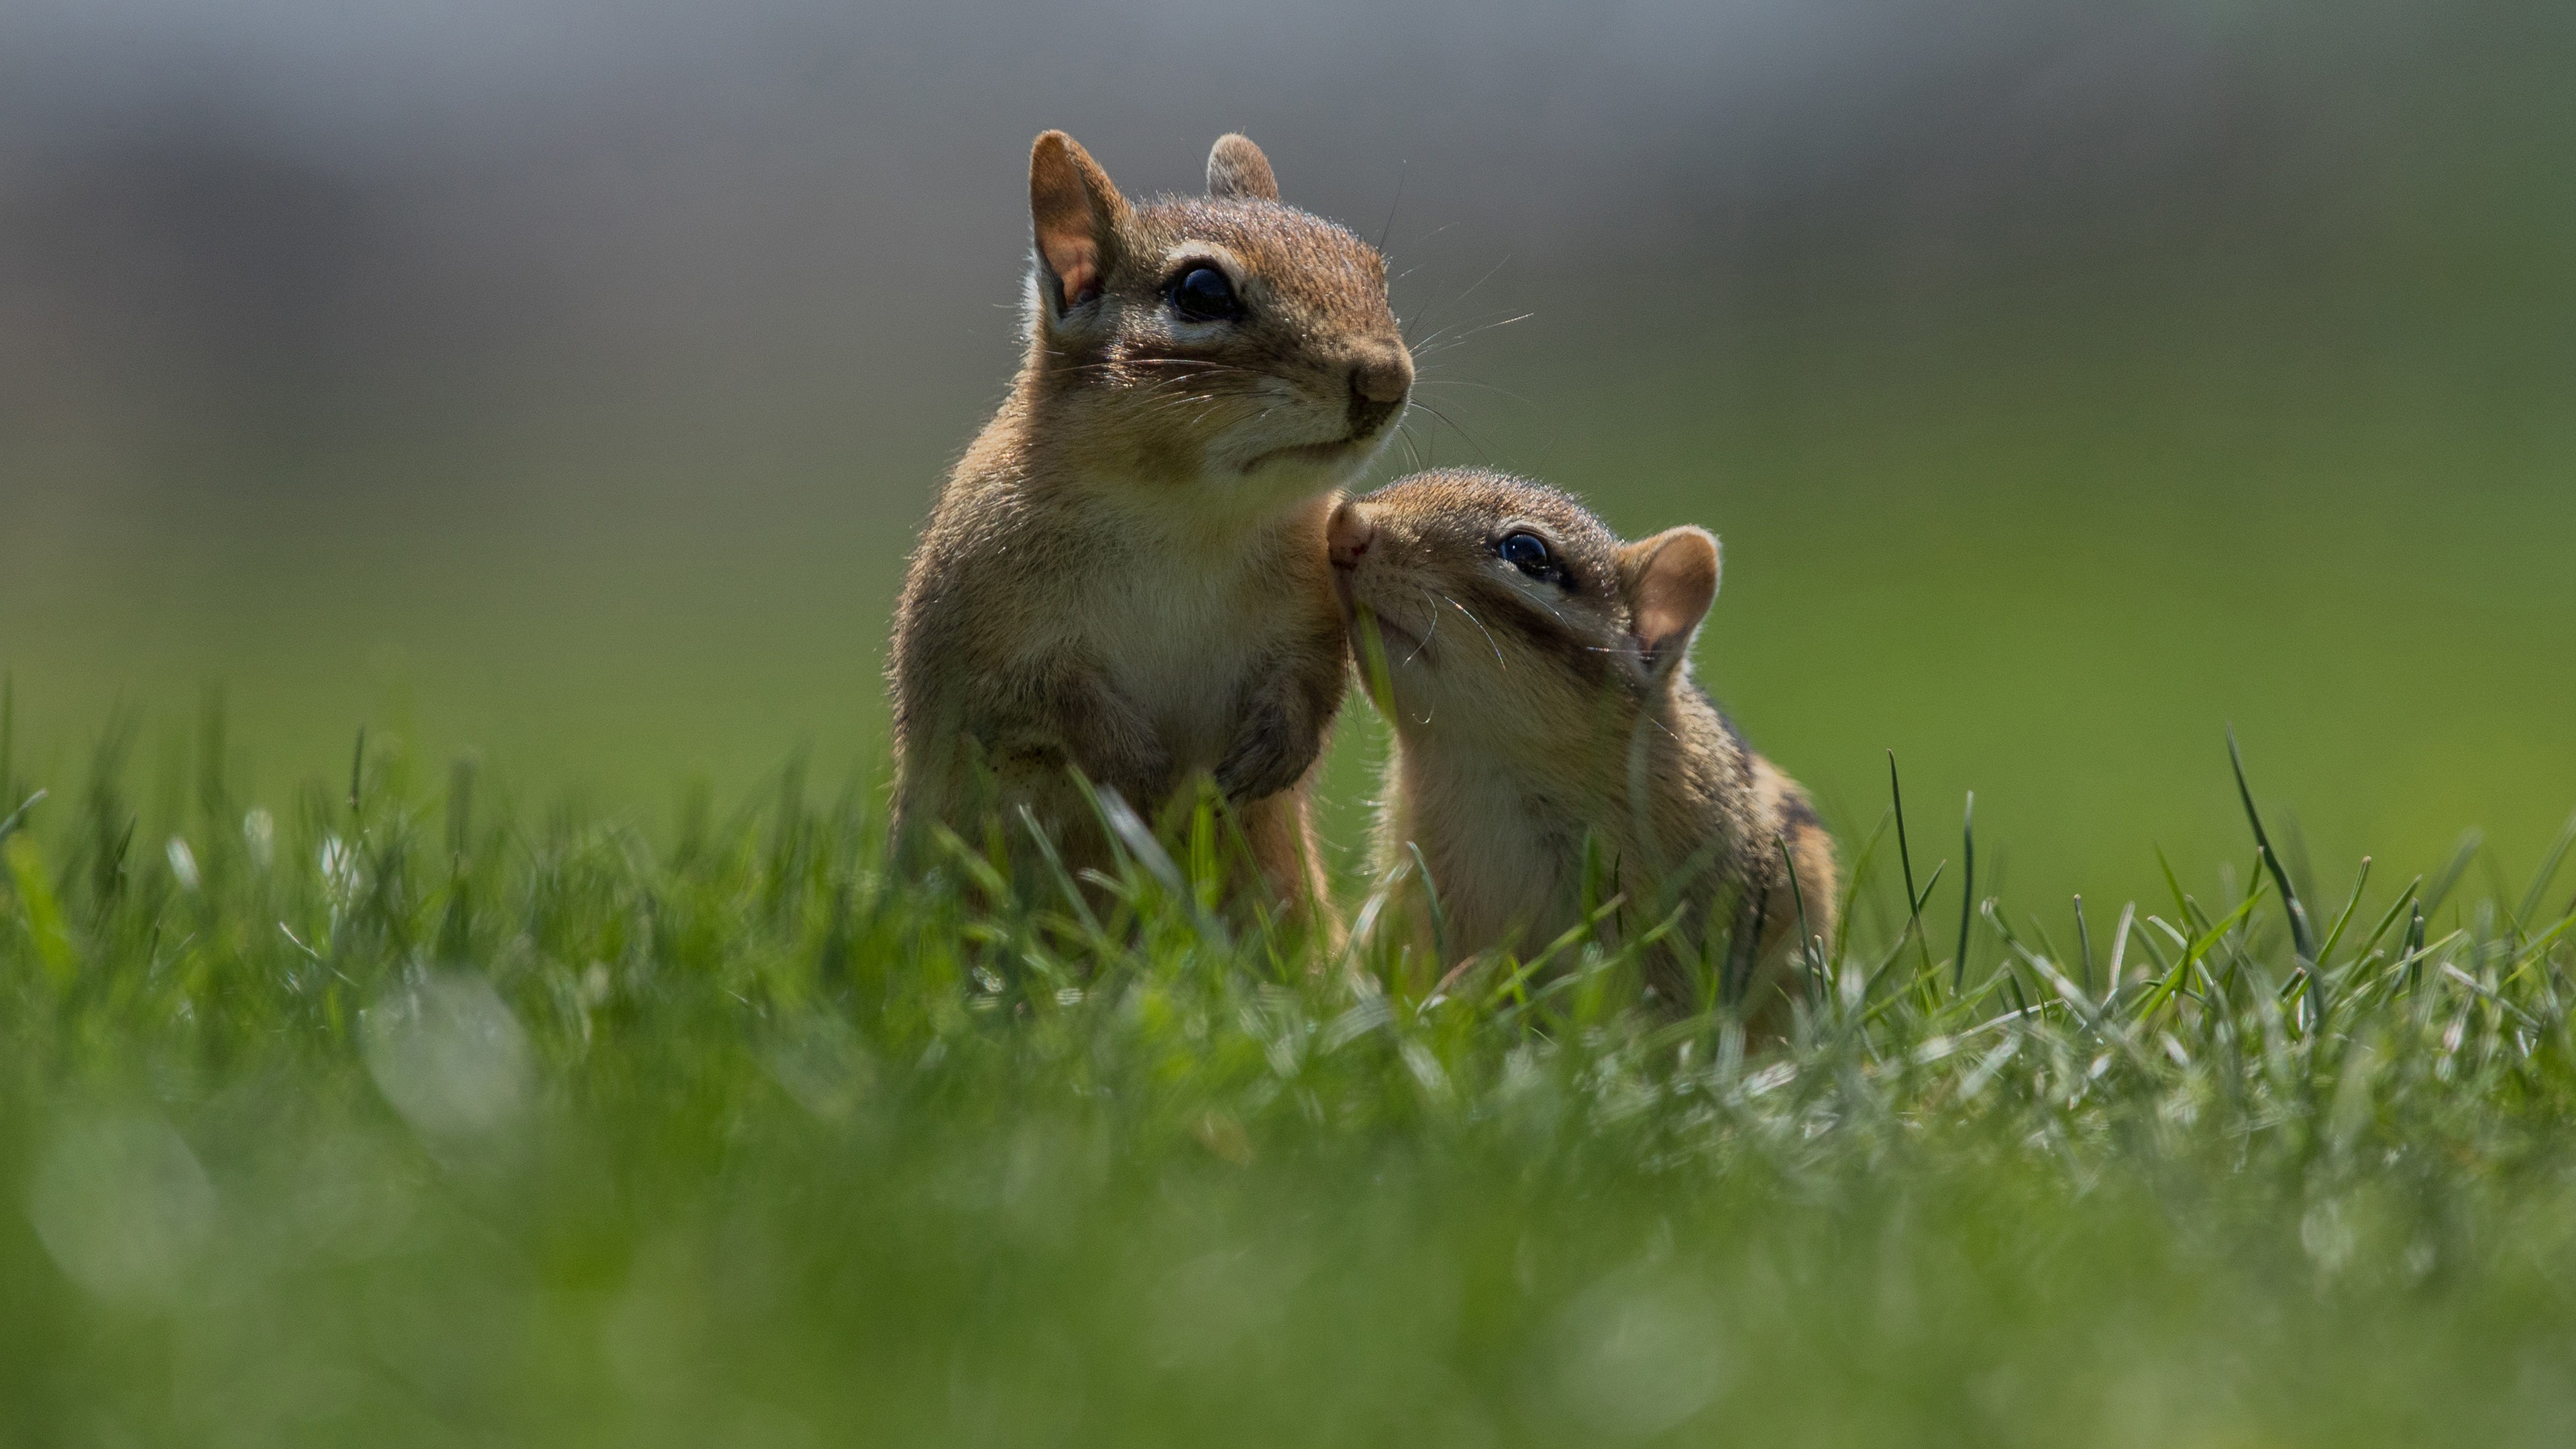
x=565, y=381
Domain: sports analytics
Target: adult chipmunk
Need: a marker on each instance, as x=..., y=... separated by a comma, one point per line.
x=1125, y=575
x=1539, y=670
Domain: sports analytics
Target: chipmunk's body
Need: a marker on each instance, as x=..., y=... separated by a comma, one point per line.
x=1539, y=671
x=1125, y=575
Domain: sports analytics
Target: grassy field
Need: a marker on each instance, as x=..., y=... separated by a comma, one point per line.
x=2068, y=382
x=376, y=1114
x=2047, y=573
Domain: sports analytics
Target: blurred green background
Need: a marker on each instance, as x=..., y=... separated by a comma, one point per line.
x=2067, y=380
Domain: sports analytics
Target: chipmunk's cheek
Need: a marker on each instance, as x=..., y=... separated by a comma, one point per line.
x=1163, y=453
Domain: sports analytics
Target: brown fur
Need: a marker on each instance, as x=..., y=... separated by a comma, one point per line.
x=1125, y=574
x=1530, y=714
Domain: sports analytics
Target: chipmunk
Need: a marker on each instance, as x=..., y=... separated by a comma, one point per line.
x=1539, y=670
x=1125, y=574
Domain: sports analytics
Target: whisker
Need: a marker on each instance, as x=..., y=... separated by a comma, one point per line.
x=1433, y=632
x=1431, y=342
x=1481, y=629
x=1480, y=281
x=1384, y=231
x=1554, y=613
x=1412, y=457
x=1430, y=349
x=1463, y=382
x=1453, y=424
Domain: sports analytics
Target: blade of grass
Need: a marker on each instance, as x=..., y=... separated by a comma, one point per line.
x=1431, y=901
x=2530, y=899
x=1905, y=858
x=1573, y=934
x=1853, y=883
x=2173, y=883
x=2461, y=854
x=2084, y=941
x=2396, y=908
x=18, y=817
x=1967, y=893
x=43, y=912
x=2198, y=948
x=1374, y=672
x=2343, y=919
x=357, y=772
x=1806, y=937
x=2302, y=935
x=1064, y=882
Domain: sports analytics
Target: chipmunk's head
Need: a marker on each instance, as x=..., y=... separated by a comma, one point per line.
x=1224, y=341
x=1505, y=610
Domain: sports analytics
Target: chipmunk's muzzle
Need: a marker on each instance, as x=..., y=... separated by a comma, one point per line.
x=1347, y=536
x=1381, y=381
x=1359, y=583
x=1377, y=379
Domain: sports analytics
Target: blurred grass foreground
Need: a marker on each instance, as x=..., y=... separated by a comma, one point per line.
x=384, y=1117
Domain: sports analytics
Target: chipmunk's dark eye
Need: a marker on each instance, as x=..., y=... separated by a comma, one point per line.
x=1204, y=294
x=1529, y=553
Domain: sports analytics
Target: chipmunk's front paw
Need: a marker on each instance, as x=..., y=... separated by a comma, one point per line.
x=1270, y=753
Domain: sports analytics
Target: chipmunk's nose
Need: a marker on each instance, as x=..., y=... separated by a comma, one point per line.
x=1381, y=379
x=1383, y=375
x=1347, y=534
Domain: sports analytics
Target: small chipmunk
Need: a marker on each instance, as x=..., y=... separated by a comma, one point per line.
x=1125, y=574
x=1541, y=692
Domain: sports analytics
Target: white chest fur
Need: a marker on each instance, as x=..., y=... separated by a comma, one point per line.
x=1195, y=606
x=1504, y=860
x=1180, y=643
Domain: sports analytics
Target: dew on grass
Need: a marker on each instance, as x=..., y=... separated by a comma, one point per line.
x=259, y=835
x=449, y=1056
x=342, y=877
x=2327, y=1232
x=123, y=1207
x=183, y=863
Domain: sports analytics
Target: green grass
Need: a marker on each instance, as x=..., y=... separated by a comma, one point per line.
x=383, y=1114
x=2047, y=570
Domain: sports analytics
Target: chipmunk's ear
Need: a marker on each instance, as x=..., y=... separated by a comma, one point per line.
x=1237, y=168
x=1077, y=215
x=1672, y=579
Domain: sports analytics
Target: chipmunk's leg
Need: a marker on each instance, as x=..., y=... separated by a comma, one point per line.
x=1281, y=833
x=1819, y=877
x=1808, y=872
x=1285, y=718
x=1278, y=741
x=1798, y=933
x=1066, y=713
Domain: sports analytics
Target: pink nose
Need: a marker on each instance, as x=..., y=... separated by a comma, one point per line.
x=1348, y=534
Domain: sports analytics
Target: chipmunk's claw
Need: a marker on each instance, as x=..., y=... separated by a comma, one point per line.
x=1269, y=754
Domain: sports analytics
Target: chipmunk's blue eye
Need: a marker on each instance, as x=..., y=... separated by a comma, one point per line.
x=1529, y=553
x=1204, y=294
